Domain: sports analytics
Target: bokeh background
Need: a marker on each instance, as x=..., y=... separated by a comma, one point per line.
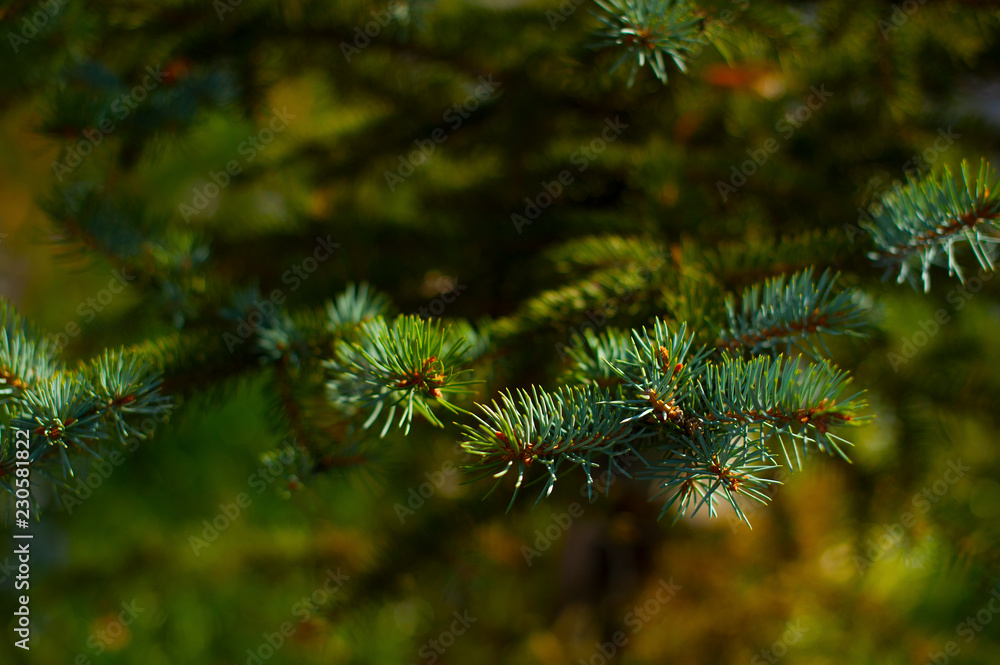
x=879, y=561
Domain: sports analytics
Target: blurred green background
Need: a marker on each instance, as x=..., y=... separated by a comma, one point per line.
x=880, y=561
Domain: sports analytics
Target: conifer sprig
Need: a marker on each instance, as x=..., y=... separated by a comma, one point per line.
x=67, y=413
x=26, y=359
x=927, y=221
x=593, y=357
x=123, y=384
x=61, y=413
x=357, y=304
x=792, y=312
x=570, y=427
x=781, y=397
x=409, y=365
x=713, y=466
x=660, y=374
x=650, y=31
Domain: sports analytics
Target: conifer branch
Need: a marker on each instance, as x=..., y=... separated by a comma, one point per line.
x=738, y=264
x=659, y=375
x=927, y=221
x=649, y=31
x=358, y=304
x=618, y=290
x=593, y=357
x=25, y=358
x=410, y=364
x=116, y=397
x=779, y=397
x=570, y=427
x=713, y=466
x=601, y=252
x=792, y=312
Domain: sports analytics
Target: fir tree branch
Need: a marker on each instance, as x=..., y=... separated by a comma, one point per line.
x=736, y=265
x=650, y=31
x=659, y=375
x=25, y=359
x=601, y=252
x=572, y=427
x=778, y=397
x=410, y=364
x=72, y=412
x=619, y=291
x=925, y=222
x=594, y=356
x=790, y=312
x=713, y=465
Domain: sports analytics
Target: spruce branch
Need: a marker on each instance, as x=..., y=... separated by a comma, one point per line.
x=570, y=427
x=659, y=375
x=792, y=312
x=124, y=384
x=776, y=396
x=67, y=413
x=738, y=264
x=593, y=357
x=25, y=358
x=649, y=31
x=616, y=291
x=357, y=304
x=713, y=465
x=86, y=223
x=600, y=252
x=61, y=413
x=925, y=222
x=410, y=364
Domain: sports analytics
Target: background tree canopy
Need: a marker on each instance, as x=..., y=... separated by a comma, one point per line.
x=260, y=262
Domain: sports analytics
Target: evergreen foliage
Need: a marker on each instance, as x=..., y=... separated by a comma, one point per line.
x=927, y=221
x=654, y=202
